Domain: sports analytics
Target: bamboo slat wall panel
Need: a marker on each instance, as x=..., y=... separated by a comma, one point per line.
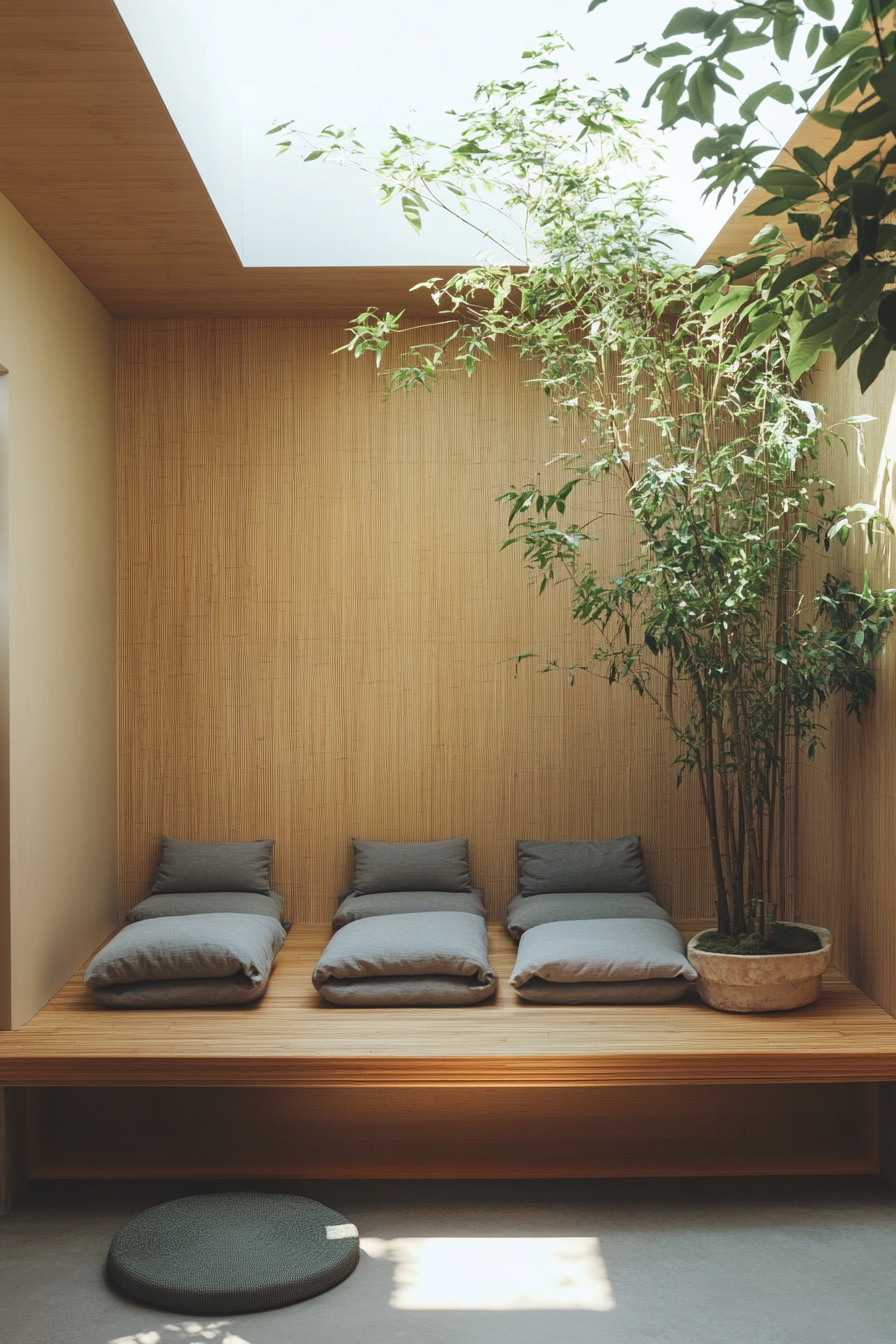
x=848, y=794
x=316, y=621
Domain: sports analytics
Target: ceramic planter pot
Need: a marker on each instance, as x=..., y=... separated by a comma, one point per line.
x=761, y=984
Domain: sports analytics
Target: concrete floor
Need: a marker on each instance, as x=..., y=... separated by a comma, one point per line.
x=796, y=1261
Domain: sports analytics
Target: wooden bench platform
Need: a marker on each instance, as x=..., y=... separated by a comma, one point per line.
x=292, y=1039
x=294, y=1087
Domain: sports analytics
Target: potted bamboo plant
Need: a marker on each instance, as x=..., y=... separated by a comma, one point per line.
x=698, y=425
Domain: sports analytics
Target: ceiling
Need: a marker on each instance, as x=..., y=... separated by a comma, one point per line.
x=91, y=157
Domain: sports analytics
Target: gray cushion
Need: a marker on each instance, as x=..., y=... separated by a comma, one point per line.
x=408, y=903
x=545, y=866
x=604, y=991
x=601, y=949
x=186, y=960
x=238, y=1251
x=207, y=903
x=195, y=865
x=527, y=912
x=407, y=991
x=439, y=865
x=443, y=944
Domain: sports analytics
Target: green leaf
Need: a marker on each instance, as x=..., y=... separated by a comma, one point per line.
x=870, y=124
x=669, y=50
x=749, y=266
x=790, y=182
x=410, y=206
x=808, y=225
x=762, y=329
x=594, y=4
x=784, y=28
x=690, y=20
x=798, y=271
x=782, y=93
x=809, y=343
x=863, y=291
x=315, y=154
x=848, y=337
x=775, y=205
x=823, y=8
x=702, y=93
x=832, y=119
x=872, y=360
x=810, y=160
x=845, y=45
x=884, y=84
x=822, y=325
x=729, y=303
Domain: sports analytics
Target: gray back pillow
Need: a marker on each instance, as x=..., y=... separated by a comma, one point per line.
x=580, y=865
x=194, y=865
x=440, y=865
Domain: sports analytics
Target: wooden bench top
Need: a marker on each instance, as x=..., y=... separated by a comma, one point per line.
x=292, y=1038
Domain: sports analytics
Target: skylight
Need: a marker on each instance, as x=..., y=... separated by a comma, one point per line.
x=230, y=69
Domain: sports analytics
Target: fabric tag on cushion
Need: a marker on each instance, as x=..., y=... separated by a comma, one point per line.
x=438, y=865
x=545, y=866
x=197, y=865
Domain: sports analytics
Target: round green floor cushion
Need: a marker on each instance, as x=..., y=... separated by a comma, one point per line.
x=238, y=1252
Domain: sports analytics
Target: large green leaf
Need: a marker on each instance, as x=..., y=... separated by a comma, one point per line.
x=810, y=160
x=790, y=182
x=809, y=343
x=782, y=93
x=798, y=271
x=729, y=303
x=845, y=45
x=848, y=337
x=690, y=20
x=775, y=205
x=872, y=359
x=862, y=292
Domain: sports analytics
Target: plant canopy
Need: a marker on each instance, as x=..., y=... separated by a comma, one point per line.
x=685, y=415
x=839, y=252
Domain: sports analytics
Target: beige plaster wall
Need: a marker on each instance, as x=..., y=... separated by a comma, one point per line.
x=57, y=344
x=847, y=858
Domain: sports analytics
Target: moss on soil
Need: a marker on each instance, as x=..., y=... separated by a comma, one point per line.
x=784, y=938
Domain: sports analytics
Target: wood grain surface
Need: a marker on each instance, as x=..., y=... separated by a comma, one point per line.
x=318, y=629
x=848, y=792
x=90, y=156
x=291, y=1038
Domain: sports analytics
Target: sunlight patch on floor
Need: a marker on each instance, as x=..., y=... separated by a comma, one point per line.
x=495, y=1273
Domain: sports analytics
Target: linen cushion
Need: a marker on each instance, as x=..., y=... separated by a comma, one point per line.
x=439, y=865
x=407, y=903
x=407, y=960
x=186, y=960
x=195, y=865
x=545, y=866
x=527, y=912
x=207, y=903
x=601, y=949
